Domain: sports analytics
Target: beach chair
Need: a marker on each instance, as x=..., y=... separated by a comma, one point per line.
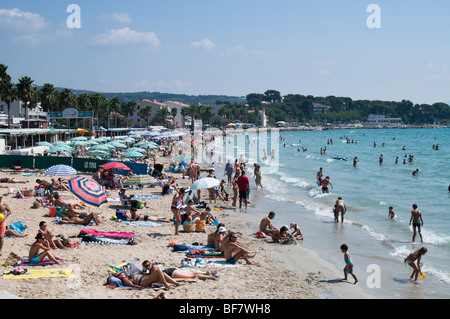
x=124, y=202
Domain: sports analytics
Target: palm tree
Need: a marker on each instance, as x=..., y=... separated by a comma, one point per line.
x=98, y=103
x=9, y=95
x=114, y=105
x=25, y=91
x=4, y=79
x=49, y=97
x=130, y=107
x=146, y=112
x=67, y=99
x=174, y=112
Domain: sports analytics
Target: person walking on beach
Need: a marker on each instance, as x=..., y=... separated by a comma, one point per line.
x=229, y=173
x=413, y=260
x=177, y=202
x=417, y=222
x=244, y=189
x=348, y=263
x=339, y=207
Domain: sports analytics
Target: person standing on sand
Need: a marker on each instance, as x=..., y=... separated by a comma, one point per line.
x=177, y=201
x=417, y=222
x=348, y=263
x=244, y=187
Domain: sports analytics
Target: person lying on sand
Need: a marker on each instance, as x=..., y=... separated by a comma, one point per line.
x=12, y=180
x=135, y=216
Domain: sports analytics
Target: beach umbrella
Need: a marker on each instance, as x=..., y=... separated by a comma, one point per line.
x=88, y=191
x=117, y=144
x=183, y=158
x=136, y=149
x=115, y=165
x=132, y=155
x=79, y=138
x=148, y=145
x=97, y=153
x=141, y=179
x=44, y=144
x=57, y=149
x=92, y=142
x=99, y=147
x=60, y=170
x=78, y=143
x=204, y=183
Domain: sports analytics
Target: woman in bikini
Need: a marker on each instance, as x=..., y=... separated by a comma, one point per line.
x=35, y=257
x=177, y=201
x=135, y=216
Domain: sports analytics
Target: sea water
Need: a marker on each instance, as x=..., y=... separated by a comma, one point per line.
x=377, y=244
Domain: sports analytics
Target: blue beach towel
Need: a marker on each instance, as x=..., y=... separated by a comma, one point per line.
x=143, y=223
x=145, y=196
x=18, y=227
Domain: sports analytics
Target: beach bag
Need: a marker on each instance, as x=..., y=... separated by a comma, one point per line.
x=211, y=239
x=200, y=225
x=188, y=227
x=12, y=259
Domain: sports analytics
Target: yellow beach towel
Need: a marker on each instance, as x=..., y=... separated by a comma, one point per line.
x=41, y=273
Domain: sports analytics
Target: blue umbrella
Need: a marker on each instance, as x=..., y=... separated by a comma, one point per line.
x=60, y=170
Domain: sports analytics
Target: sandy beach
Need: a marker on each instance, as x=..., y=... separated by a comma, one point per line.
x=278, y=274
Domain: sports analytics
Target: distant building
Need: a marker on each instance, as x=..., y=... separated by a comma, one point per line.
x=320, y=108
x=374, y=120
x=18, y=110
x=138, y=120
x=179, y=120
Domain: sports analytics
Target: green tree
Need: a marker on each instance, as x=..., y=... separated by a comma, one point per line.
x=9, y=95
x=145, y=113
x=25, y=92
x=49, y=97
x=129, y=108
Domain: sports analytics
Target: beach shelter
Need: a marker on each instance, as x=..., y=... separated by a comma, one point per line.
x=56, y=149
x=60, y=170
x=99, y=147
x=97, y=153
x=79, y=138
x=117, y=144
x=136, y=149
x=88, y=191
x=78, y=143
x=115, y=165
x=204, y=183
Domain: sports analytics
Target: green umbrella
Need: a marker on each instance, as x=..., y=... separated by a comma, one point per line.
x=100, y=147
x=57, y=149
x=97, y=153
x=44, y=144
x=148, y=145
x=79, y=138
x=78, y=143
x=132, y=154
x=117, y=145
x=135, y=149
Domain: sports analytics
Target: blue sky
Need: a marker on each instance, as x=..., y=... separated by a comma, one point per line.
x=321, y=47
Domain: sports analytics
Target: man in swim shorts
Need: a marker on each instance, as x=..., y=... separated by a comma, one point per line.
x=325, y=184
x=266, y=226
x=235, y=250
x=417, y=222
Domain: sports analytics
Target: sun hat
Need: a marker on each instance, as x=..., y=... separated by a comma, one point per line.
x=292, y=225
x=222, y=229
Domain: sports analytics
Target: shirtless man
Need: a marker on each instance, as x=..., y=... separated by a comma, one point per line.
x=57, y=201
x=135, y=216
x=191, y=210
x=176, y=201
x=47, y=185
x=325, y=184
x=339, y=207
x=266, y=226
x=48, y=235
x=74, y=217
x=235, y=250
x=417, y=222
x=194, y=171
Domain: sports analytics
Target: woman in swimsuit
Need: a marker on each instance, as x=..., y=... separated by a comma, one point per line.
x=339, y=207
x=411, y=260
x=135, y=216
x=35, y=257
x=258, y=176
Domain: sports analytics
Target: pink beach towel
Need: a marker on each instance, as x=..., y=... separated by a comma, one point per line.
x=44, y=262
x=115, y=235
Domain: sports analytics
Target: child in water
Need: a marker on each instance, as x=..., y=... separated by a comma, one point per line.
x=348, y=263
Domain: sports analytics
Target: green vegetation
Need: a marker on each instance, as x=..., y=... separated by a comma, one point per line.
x=114, y=109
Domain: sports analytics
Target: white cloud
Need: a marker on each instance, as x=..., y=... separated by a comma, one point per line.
x=126, y=36
x=205, y=44
x=21, y=22
x=120, y=17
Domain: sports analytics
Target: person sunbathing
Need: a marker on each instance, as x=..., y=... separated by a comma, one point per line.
x=182, y=274
x=59, y=185
x=35, y=257
x=145, y=279
x=12, y=232
x=12, y=180
x=48, y=235
x=74, y=217
x=56, y=201
x=135, y=216
x=235, y=250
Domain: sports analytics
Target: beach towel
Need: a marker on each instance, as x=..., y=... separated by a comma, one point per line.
x=144, y=196
x=113, y=281
x=18, y=227
x=218, y=264
x=44, y=262
x=142, y=223
x=41, y=273
x=113, y=199
x=114, y=235
x=105, y=240
x=206, y=255
x=183, y=248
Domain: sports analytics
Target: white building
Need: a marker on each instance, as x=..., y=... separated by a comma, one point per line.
x=179, y=120
x=18, y=112
x=374, y=120
x=138, y=120
x=320, y=108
